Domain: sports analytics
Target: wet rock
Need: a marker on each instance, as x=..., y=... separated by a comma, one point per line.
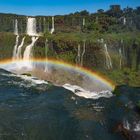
x=127, y=133
x=137, y=108
x=120, y=129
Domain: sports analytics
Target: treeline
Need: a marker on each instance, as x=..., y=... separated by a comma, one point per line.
x=113, y=20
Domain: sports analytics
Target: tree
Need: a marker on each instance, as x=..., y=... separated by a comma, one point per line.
x=84, y=13
x=100, y=11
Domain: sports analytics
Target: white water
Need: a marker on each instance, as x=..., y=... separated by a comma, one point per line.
x=17, y=39
x=108, y=58
x=78, y=58
x=19, y=50
x=15, y=47
x=28, y=51
x=46, y=53
x=31, y=26
x=44, y=24
x=134, y=126
x=32, y=79
x=124, y=21
x=120, y=53
x=16, y=27
x=87, y=94
x=53, y=29
x=84, y=50
x=84, y=21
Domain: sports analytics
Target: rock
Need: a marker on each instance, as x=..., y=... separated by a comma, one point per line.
x=27, y=74
x=120, y=128
x=127, y=133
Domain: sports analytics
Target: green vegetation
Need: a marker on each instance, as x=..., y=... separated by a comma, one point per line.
x=119, y=28
x=27, y=74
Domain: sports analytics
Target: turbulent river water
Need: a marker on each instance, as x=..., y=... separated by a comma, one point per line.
x=37, y=110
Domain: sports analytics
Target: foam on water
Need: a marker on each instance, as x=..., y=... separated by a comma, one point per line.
x=80, y=89
x=32, y=79
x=87, y=94
x=135, y=126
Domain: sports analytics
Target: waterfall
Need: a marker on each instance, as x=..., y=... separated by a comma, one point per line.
x=53, y=29
x=15, y=47
x=31, y=26
x=108, y=58
x=48, y=26
x=16, y=27
x=31, y=31
x=123, y=49
x=46, y=53
x=84, y=21
x=78, y=58
x=17, y=39
x=124, y=21
x=84, y=50
x=120, y=53
x=28, y=51
x=19, y=50
x=44, y=24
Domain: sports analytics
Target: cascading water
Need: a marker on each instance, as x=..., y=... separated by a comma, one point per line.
x=124, y=21
x=17, y=39
x=16, y=27
x=31, y=31
x=108, y=58
x=31, y=26
x=84, y=50
x=28, y=51
x=120, y=53
x=78, y=58
x=19, y=50
x=46, y=53
x=123, y=49
x=53, y=29
x=84, y=21
x=108, y=61
x=15, y=47
x=44, y=24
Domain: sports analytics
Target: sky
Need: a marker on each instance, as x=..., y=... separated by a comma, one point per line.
x=59, y=7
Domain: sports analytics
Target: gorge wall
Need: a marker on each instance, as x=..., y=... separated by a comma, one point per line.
x=97, y=41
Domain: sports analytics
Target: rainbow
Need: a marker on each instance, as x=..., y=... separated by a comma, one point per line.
x=83, y=70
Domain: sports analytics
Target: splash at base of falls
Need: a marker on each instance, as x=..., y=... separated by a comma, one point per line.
x=81, y=83
x=87, y=94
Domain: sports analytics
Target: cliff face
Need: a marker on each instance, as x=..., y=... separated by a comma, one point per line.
x=120, y=60
x=98, y=54
x=101, y=54
x=111, y=47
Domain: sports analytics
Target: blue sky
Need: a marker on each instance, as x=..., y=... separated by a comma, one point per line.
x=53, y=7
